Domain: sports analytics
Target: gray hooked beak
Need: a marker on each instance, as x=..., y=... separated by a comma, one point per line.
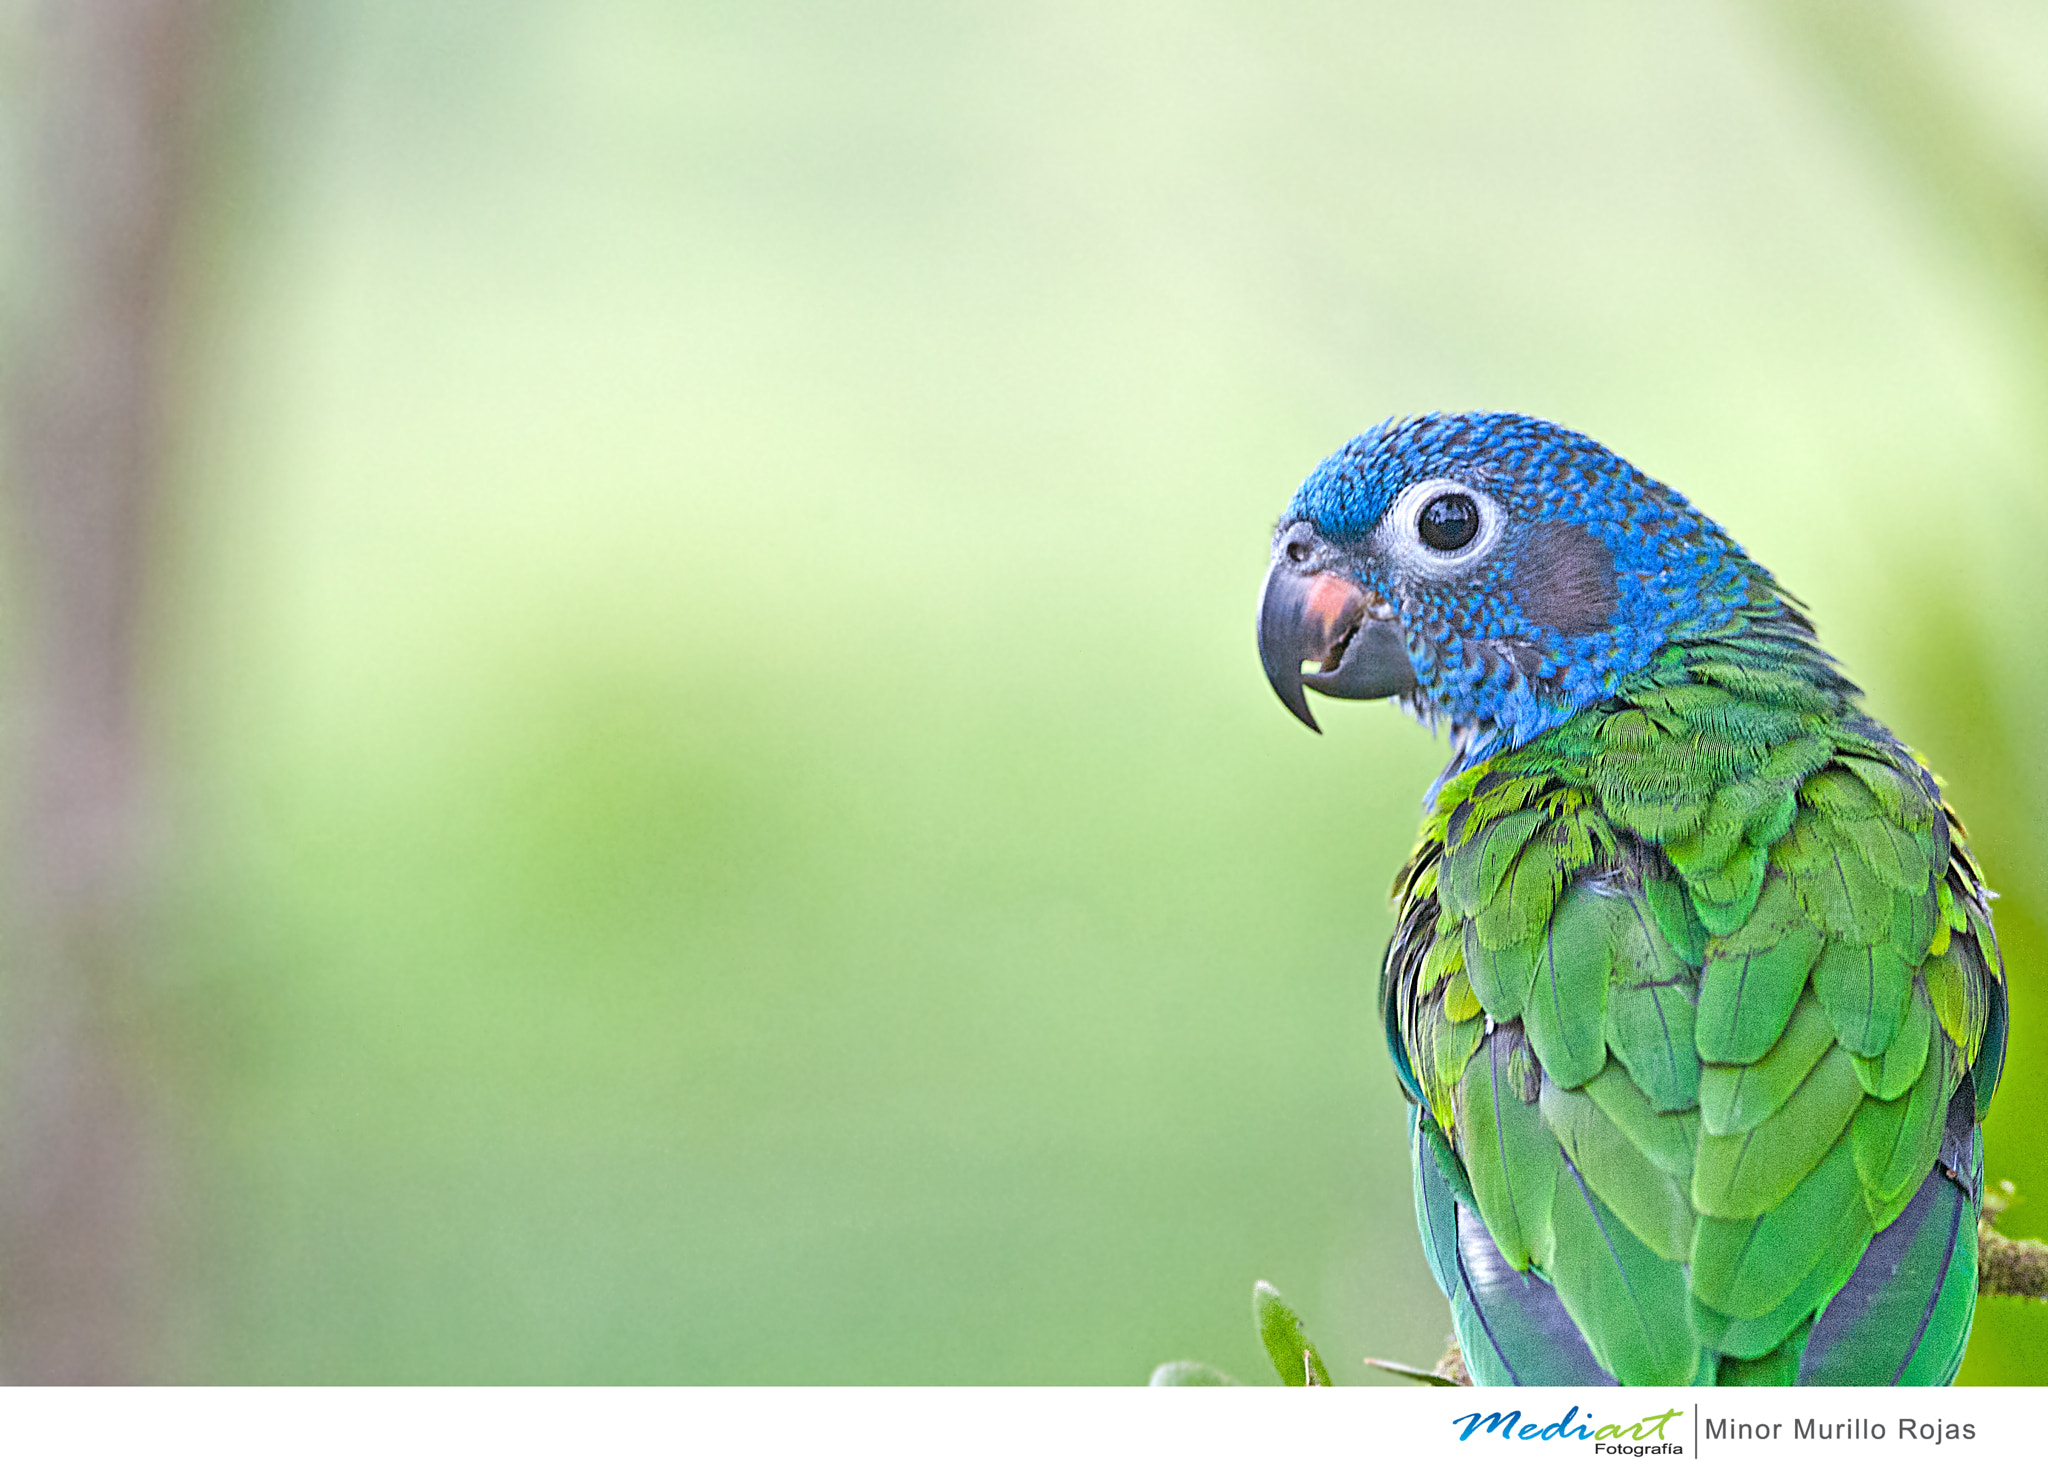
x=1325, y=617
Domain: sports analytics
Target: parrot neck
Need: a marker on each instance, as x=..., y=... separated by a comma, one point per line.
x=1769, y=637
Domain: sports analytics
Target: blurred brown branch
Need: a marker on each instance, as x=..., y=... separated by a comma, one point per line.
x=2008, y=1266
x=2011, y=1266
x=83, y=406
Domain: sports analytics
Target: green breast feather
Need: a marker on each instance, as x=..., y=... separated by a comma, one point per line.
x=1686, y=986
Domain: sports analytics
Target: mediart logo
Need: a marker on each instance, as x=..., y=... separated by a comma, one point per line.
x=1643, y=1436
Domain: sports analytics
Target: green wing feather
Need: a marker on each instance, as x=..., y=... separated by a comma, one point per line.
x=1627, y=1299
x=1746, y=1173
x=1652, y=1202
x=1894, y=1140
x=1686, y=986
x=1746, y=1268
x=1759, y=1336
x=1669, y=1138
x=1753, y=976
x=1510, y=1156
x=1735, y=1098
x=1566, y=1015
x=1650, y=1002
x=1891, y=1074
x=1501, y=977
x=1864, y=989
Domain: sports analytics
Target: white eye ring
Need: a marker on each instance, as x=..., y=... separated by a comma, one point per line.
x=1401, y=536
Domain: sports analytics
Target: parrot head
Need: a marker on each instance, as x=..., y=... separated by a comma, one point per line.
x=1492, y=571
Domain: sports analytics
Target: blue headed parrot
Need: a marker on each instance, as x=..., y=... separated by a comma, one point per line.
x=1693, y=989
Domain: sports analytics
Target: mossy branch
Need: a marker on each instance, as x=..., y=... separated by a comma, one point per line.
x=2008, y=1266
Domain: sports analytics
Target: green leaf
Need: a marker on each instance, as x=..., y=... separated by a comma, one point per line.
x=1190, y=1374
x=1295, y=1357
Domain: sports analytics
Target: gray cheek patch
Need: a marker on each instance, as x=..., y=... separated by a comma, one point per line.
x=1564, y=579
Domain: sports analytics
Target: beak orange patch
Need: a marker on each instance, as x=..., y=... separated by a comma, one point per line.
x=1332, y=601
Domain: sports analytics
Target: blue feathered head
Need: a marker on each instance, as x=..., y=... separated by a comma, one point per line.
x=1493, y=570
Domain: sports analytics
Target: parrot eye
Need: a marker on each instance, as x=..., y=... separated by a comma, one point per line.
x=1449, y=522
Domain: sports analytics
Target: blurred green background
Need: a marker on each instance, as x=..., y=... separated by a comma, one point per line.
x=722, y=823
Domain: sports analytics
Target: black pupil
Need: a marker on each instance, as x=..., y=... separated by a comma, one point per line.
x=1449, y=522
